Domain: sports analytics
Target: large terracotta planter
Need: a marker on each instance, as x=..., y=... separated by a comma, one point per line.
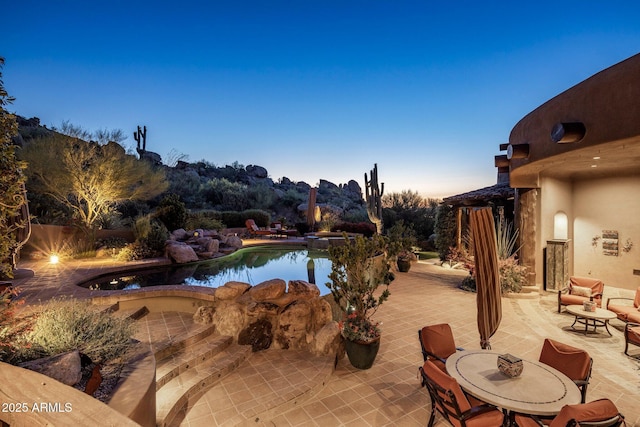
x=403, y=266
x=362, y=355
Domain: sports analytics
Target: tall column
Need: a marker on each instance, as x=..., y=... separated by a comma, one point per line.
x=525, y=204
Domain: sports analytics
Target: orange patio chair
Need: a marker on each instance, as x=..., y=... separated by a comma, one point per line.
x=631, y=336
x=437, y=343
x=581, y=289
x=449, y=400
x=599, y=413
x=254, y=230
x=624, y=310
x=571, y=361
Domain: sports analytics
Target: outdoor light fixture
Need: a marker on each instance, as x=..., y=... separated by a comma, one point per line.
x=566, y=133
x=517, y=151
x=53, y=259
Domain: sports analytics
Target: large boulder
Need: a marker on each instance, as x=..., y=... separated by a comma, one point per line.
x=234, y=242
x=322, y=313
x=302, y=289
x=257, y=171
x=208, y=244
x=65, y=367
x=293, y=326
x=258, y=335
x=231, y=290
x=267, y=290
x=327, y=341
x=229, y=319
x=180, y=235
x=204, y=315
x=180, y=252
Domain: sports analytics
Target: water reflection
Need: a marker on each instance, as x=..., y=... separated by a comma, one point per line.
x=250, y=265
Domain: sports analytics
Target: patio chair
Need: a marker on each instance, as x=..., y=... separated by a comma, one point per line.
x=581, y=289
x=599, y=413
x=280, y=231
x=571, y=361
x=254, y=230
x=624, y=310
x=437, y=343
x=631, y=336
x=449, y=400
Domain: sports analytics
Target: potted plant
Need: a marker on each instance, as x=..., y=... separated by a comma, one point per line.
x=404, y=260
x=359, y=268
x=402, y=240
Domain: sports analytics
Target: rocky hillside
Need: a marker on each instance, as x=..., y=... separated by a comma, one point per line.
x=203, y=185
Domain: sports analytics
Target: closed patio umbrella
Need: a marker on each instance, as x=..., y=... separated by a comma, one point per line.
x=485, y=253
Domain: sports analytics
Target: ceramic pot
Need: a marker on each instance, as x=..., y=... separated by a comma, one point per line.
x=362, y=355
x=403, y=266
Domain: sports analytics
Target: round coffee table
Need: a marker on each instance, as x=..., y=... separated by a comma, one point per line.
x=600, y=317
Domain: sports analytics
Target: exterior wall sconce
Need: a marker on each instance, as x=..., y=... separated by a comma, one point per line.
x=567, y=133
x=54, y=259
x=518, y=151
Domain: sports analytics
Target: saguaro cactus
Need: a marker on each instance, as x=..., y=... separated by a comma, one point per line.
x=141, y=135
x=373, y=195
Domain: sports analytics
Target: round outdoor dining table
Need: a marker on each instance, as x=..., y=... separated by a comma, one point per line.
x=539, y=390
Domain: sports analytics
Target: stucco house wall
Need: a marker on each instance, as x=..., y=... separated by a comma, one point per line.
x=607, y=204
x=579, y=153
x=555, y=197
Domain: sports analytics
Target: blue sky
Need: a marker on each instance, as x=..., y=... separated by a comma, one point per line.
x=312, y=89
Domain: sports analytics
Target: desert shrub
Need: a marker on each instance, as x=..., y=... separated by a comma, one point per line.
x=172, y=212
x=72, y=248
x=135, y=251
x=231, y=218
x=261, y=196
x=142, y=227
x=67, y=324
x=292, y=197
x=111, y=243
x=226, y=195
x=157, y=237
x=203, y=221
x=365, y=228
x=513, y=276
x=9, y=325
x=355, y=215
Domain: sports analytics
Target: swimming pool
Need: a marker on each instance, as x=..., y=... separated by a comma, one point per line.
x=251, y=265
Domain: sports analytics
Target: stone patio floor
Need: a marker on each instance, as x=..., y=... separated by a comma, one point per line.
x=388, y=394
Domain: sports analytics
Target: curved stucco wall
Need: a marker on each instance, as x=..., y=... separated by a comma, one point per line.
x=606, y=103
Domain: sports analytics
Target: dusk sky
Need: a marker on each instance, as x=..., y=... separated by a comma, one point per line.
x=312, y=89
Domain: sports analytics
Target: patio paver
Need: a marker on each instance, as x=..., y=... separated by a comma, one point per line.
x=389, y=392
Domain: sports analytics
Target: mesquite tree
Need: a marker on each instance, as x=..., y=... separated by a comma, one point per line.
x=87, y=177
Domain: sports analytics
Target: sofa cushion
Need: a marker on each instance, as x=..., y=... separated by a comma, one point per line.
x=634, y=317
x=622, y=311
x=581, y=291
x=567, y=299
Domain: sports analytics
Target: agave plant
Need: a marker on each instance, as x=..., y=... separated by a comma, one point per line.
x=507, y=239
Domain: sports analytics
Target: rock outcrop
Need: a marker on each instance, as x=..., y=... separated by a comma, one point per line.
x=272, y=315
x=65, y=367
x=189, y=246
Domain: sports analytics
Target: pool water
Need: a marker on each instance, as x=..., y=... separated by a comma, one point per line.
x=250, y=265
